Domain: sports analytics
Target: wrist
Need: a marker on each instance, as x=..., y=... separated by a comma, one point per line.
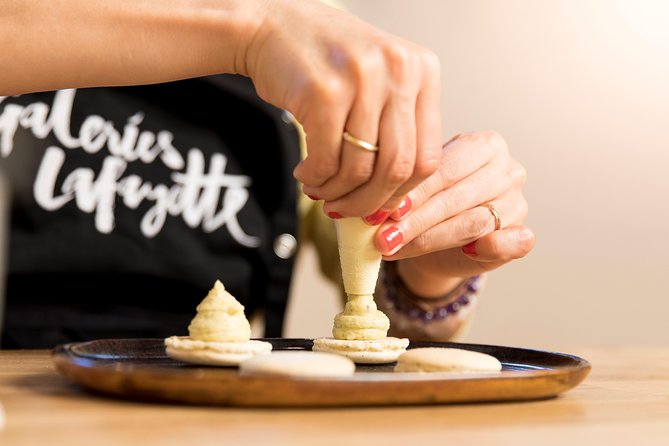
x=268, y=18
x=425, y=318
x=424, y=284
x=250, y=32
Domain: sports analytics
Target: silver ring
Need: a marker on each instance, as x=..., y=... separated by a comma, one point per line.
x=359, y=142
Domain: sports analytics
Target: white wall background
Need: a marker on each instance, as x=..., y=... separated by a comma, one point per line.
x=580, y=89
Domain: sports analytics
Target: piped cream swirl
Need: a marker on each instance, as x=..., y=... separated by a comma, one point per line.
x=360, y=320
x=220, y=317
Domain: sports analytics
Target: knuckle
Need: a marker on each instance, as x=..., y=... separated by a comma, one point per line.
x=497, y=140
x=415, y=227
x=364, y=66
x=466, y=136
x=326, y=168
x=473, y=226
x=526, y=241
x=522, y=208
x=360, y=173
x=423, y=190
x=518, y=174
x=327, y=90
x=400, y=171
x=518, y=245
x=422, y=243
x=397, y=55
x=448, y=169
x=399, y=59
x=457, y=200
x=431, y=61
x=427, y=164
x=488, y=137
x=506, y=183
x=496, y=251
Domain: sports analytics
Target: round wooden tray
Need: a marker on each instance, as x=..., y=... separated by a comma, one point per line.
x=139, y=369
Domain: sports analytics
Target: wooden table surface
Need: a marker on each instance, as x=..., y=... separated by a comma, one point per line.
x=625, y=400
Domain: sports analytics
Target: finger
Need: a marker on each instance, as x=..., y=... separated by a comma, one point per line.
x=394, y=164
x=511, y=243
x=459, y=265
x=357, y=164
x=396, y=168
x=497, y=249
x=455, y=211
x=323, y=126
x=459, y=158
x=428, y=130
x=459, y=230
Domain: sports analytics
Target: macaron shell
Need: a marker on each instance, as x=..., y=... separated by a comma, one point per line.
x=298, y=364
x=436, y=359
x=379, y=351
x=194, y=351
x=211, y=358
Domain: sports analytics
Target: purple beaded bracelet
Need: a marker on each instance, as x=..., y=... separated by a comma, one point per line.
x=403, y=300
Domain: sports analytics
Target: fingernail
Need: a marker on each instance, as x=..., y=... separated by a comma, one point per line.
x=393, y=237
x=335, y=215
x=470, y=249
x=313, y=197
x=377, y=217
x=403, y=208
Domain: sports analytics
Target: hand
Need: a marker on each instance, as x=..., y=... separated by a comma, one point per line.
x=334, y=72
x=446, y=233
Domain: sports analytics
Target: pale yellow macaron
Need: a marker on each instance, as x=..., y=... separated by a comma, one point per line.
x=298, y=364
x=186, y=349
x=379, y=351
x=436, y=359
x=219, y=334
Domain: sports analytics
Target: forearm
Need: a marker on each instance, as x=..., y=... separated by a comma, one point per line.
x=56, y=44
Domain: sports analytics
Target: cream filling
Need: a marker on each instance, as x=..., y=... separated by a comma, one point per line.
x=360, y=320
x=220, y=318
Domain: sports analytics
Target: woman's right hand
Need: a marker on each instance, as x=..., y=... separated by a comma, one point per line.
x=331, y=70
x=336, y=73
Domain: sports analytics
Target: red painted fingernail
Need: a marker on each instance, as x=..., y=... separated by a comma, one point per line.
x=403, y=208
x=393, y=237
x=377, y=217
x=469, y=249
x=313, y=197
x=335, y=215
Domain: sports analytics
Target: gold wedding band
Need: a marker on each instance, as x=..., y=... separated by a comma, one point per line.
x=359, y=142
x=493, y=210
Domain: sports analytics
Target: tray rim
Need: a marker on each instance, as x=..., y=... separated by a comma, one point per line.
x=127, y=380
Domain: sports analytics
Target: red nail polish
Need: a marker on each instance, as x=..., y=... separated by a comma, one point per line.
x=393, y=237
x=334, y=215
x=403, y=208
x=377, y=217
x=469, y=249
x=313, y=197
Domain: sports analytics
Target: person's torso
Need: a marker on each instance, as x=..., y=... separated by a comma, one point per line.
x=141, y=197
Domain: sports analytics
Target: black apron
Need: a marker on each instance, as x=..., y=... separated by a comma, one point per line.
x=128, y=203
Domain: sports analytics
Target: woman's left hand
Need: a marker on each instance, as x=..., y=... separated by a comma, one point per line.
x=445, y=231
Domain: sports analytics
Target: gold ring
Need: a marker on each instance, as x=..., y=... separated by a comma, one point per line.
x=493, y=210
x=359, y=142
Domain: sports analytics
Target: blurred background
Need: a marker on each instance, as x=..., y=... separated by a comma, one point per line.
x=580, y=90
